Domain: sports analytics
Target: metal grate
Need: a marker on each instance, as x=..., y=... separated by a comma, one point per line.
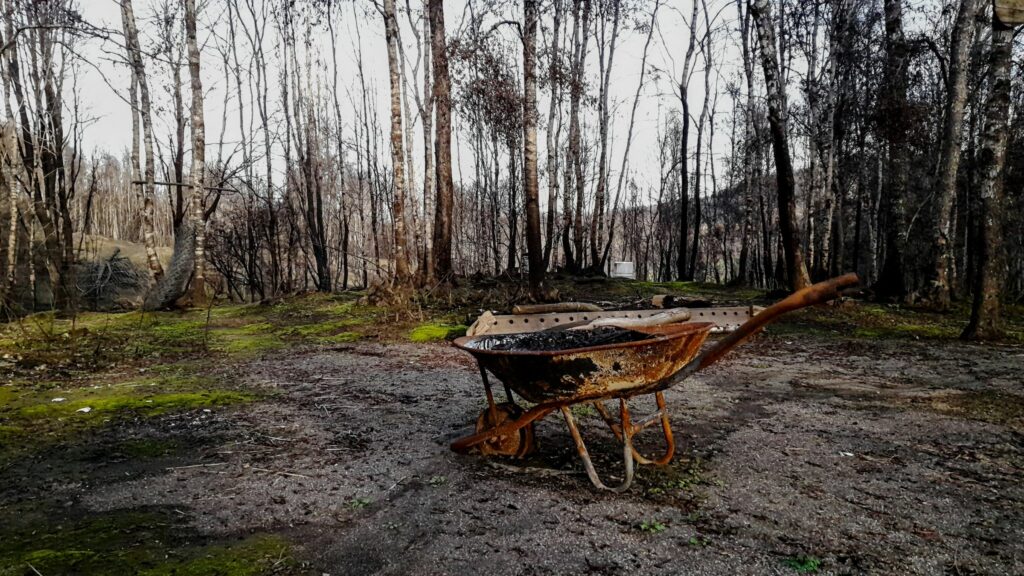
x=725, y=319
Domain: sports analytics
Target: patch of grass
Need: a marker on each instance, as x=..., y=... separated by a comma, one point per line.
x=679, y=478
x=250, y=557
x=240, y=343
x=803, y=564
x=583, y=411
x=359, y=503
x=150, y=405
x=320, y=328
x=991, y=406
x=148, y=448
x=652, y=526
x=31, y=419
x=256, y=328
x=697, y=289
x=433, y=332
x=9, y=434
x=138, y=542
x=341, y=338
x=183, y=330
x=886, y=321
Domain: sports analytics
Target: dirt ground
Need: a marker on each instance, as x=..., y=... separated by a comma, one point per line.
x=798, y=453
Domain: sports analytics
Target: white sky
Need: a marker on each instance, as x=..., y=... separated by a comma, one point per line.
x=111, y=128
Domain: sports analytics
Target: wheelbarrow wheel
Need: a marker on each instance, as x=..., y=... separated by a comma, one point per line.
x=517, y=444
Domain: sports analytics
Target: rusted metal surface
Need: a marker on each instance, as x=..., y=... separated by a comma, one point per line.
x=724, y=319
x=609, y=371
x=816, y=294
x=627, y=449
x=557, y=379
x=661, y=416
x=505, y=428
x=518, y=444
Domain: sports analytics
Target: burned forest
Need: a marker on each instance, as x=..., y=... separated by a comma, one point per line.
x=511, y=286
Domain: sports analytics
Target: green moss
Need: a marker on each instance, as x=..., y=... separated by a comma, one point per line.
x=320, y=328
x=139, y=542
x=10, y=434
x=180, y=330
x=342, y=338
x=874, y=322
x=256, y=328
x=7, y=395
x=148, y=447
x=234, y=311
x=986, y=405
x=244, y=344
x=150, y=405
x=917, y=331
x=33, y=420
x=248, y=558
x=434, y=332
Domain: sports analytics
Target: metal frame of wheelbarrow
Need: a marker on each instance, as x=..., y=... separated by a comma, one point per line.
x=624, y=430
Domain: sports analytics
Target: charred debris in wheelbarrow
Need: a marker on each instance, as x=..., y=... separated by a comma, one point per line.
x=561, y=340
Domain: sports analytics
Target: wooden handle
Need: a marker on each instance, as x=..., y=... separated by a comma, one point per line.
x=815, y=294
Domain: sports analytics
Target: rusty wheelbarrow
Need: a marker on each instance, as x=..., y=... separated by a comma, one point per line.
x=557, y=379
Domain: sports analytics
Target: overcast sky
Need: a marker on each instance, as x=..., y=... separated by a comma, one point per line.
x=103, y=83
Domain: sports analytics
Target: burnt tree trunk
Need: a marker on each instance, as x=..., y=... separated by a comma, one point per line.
x=895, y=125
x=442, y=240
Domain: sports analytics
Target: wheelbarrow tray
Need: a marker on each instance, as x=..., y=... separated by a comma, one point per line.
x=607, y=371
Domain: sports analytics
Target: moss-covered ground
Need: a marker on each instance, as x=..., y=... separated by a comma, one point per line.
x=872, y=321
x=67, y=385
x=152, y=542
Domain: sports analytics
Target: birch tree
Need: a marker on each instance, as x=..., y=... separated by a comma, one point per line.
x=140, y=80
x=198, y=172
x=961, y=40
x=986, y=322
x=796, y=270
x=531, y=193
x=402, y=276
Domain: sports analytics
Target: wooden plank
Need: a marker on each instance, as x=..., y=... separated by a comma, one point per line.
x=1010, y=12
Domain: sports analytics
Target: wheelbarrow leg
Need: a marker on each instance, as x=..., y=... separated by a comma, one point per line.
x=627, y=451
x=666, y=429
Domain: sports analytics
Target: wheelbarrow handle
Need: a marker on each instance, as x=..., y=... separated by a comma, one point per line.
x=809, y=296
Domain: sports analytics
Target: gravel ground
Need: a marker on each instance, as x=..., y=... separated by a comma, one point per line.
x=796, y=451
